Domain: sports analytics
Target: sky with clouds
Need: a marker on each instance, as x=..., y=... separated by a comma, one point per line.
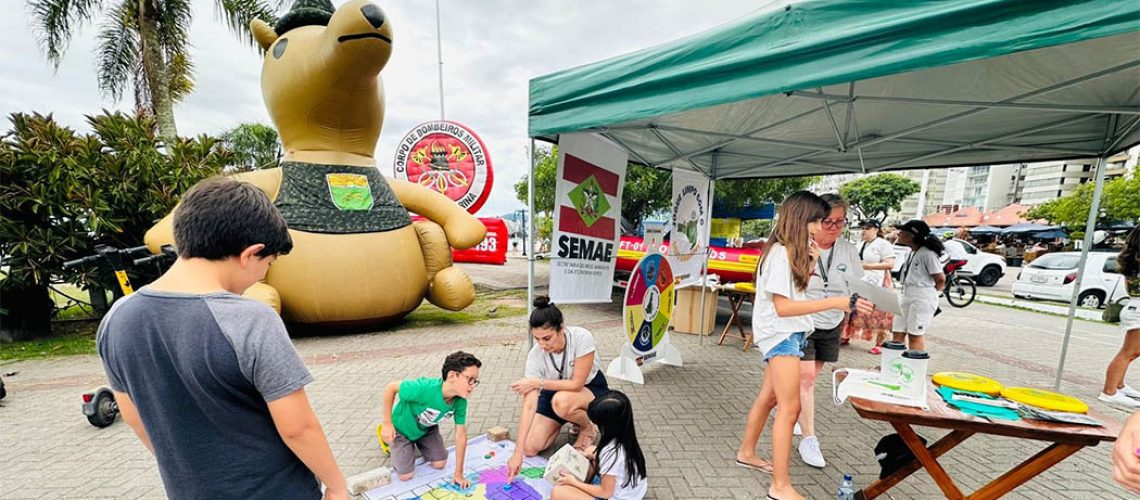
x=491, y=49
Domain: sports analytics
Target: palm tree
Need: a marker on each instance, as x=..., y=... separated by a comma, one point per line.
x=143, y=44
x=254, y=145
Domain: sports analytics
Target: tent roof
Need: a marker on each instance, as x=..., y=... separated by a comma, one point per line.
x=834, y=86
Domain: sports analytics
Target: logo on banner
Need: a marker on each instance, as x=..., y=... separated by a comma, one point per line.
x=350, y=191
x=590, y=201
x=449, y=158
x=688, y=212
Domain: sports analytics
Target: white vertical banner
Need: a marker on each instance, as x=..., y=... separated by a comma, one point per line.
x=587, y=218
x=689, y=239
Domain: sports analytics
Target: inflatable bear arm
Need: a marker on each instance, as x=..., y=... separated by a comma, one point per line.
x=463, y=230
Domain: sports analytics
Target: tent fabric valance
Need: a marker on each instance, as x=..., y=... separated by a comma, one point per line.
x=836, y=86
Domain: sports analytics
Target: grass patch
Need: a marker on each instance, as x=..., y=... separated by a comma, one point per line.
x=492, y=305
x=69, y=338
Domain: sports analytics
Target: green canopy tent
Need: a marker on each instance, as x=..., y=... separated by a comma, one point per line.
x=841, y=86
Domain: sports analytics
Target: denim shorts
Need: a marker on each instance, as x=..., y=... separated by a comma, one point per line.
x=791, y=346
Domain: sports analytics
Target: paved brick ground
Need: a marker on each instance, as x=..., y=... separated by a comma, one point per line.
x=690, y=418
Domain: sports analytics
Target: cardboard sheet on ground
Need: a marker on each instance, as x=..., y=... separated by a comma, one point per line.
x=486, y=471
x=885, y=299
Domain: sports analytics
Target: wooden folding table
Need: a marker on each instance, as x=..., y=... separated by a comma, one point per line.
x=1065, y=440
x=736, y=299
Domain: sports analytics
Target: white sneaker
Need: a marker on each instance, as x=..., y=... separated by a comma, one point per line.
x=809, y=452
x=1130, y=392
x=797, y=431
x=1119, y=400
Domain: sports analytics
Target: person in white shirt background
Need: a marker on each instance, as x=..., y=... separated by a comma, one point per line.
x=878, y=257
x=954, y=248
x=923, y=280
x=838, y=261
x=781, y=321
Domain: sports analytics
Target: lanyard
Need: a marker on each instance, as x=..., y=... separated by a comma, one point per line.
x=906, y=267
x=822, y=271
x=565, y=353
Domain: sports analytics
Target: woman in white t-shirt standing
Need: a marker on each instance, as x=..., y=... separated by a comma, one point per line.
x=923, y=280
x=562, y=378
x=878, y=257
x=781, y=321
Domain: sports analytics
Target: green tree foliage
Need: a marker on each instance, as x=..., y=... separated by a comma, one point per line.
x=875, y=196
x=254, y=146
x=144, y=45
x=735, y=194
x=1119, y=202
x=64, y=193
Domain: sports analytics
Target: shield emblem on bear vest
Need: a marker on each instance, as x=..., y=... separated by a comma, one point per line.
x=350, y=191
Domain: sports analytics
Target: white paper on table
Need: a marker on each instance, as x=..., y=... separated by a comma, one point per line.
x=884, y=299
x=866, y=385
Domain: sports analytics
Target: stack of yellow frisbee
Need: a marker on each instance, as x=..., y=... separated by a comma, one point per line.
x=1044, y=399
x=967, y=382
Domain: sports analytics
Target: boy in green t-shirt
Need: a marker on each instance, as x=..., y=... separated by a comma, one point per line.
x=424, y=403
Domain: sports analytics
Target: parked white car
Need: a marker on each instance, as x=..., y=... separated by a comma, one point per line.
x=1051, y=277
x=985, y=268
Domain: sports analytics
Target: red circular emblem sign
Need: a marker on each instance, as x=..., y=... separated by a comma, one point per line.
x=449, y=158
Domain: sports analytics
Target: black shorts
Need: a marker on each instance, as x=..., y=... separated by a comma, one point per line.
x=823, y=345
x=598, y=386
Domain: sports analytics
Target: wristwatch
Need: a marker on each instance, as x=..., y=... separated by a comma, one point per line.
x=851, y=305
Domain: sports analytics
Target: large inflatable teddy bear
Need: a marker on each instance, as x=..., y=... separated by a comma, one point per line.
x=357, y=259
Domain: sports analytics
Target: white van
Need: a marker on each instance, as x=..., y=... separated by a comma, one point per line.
x=1052, y=275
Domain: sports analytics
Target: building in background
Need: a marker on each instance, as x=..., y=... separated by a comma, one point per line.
x=955, y=186
x=1045, y=181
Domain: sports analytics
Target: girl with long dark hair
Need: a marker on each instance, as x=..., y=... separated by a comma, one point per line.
x=923, y=279
x=618, y=460
x=781, y=321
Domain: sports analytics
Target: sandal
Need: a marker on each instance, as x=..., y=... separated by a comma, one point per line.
x=766, y=468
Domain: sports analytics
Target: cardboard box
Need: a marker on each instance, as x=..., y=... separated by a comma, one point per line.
x=686, y=316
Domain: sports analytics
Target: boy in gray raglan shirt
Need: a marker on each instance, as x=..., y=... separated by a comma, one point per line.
x=209, y=380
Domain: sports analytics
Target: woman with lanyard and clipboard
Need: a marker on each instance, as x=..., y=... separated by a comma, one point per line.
x=562, y=378
x=838, y=262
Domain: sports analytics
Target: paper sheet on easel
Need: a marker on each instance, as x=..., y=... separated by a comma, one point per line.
x=884, y=299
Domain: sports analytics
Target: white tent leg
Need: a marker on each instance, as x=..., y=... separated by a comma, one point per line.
x=1090, y=228
x=529, y=240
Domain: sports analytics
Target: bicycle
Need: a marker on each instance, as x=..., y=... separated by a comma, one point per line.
x=960, y=291
x=99, y=405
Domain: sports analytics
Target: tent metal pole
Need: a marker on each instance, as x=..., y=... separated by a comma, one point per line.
x=1090, y=228
x=1000, y=147
x=965, y=114
x=733, y=139
x=1011, y=135
x=842, y=145
x=1059, y=108
x=530, y=238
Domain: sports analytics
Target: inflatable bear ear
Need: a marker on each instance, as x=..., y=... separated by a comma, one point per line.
x=306, y=13
x=263, y=33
